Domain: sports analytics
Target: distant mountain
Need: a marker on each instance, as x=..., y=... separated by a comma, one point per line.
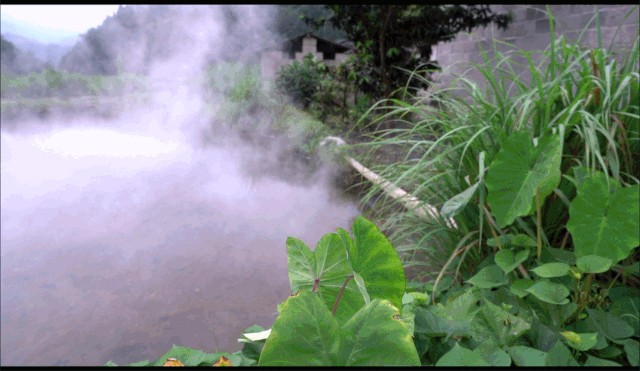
x=34, y=32
x=50, y=53
x=13, y=60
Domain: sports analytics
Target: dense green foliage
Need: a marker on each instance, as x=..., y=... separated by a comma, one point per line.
x=301, y=81
x=542, y=182
x=516, y=129
x=388, y=36
x=330, y=94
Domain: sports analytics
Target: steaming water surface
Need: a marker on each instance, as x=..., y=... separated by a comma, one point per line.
x=116, y=244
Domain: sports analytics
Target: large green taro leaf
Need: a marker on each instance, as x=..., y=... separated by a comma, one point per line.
x=517, y=171
x=372, y=256
x=605, y=220
x=306, y=334
x=328, y=266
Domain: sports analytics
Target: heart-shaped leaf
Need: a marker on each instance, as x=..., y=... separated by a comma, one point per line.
x=627, y=309
x=582, y=342
x=374, y=336
x=550, y=292
x=519, y=287
x=506, y=260
x=526, y=356
x=612, y=327
x=495, y=323
x=552, y=270
x=491, y=353
x=593, y=264
x=605, y=218
x=456, y=203
x=518, y=170
x=326, y=269
x=559, y=356
x=434, y=322
x=460, y=356
x=372, y=256
x=632, y=349
x=611, y=351
x=489, y=277
x=453, y=319
x=599, y=362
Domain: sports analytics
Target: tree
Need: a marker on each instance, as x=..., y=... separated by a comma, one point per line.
x=289, y=21
x=388, y=36
x=14, y=60
x=7, y=51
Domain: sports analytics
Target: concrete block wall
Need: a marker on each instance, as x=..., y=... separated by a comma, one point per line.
x=529, y=30
x=271, y=61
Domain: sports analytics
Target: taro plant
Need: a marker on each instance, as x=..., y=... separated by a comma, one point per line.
x=346, y=310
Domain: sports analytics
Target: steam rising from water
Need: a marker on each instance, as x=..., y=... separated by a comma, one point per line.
x=120, y=238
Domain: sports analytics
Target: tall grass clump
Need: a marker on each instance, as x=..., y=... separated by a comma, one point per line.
x=587, y=96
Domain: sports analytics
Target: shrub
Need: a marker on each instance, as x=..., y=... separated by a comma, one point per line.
x=301, y=81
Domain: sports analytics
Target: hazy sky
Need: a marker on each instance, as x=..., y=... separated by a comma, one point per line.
x=50, y=22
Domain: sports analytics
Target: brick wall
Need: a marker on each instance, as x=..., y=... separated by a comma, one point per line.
x=529, y=30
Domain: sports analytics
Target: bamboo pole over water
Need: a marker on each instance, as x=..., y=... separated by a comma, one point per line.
x=411, y=202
